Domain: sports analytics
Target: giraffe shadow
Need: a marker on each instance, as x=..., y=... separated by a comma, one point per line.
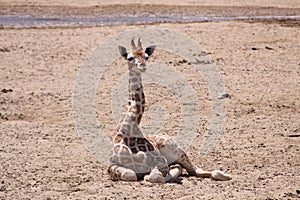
x=177, y=180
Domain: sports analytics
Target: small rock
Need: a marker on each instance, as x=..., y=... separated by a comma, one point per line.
x=269, y=48
x=4, y=49
x=6, y=90
x=2, y=188
x=224, y=96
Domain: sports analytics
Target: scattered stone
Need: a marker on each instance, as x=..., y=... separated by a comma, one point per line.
x=4, y=49
x=224, y=96
x=2, y=188
x=183, y=61
x=294, y=135
x=254, y=48
x=6, y=90
x=261, y=145
x=268, y=48
x=107, y=185
x=297, y=130
x=289, y=194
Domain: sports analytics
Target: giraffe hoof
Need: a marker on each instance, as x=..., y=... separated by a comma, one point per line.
x=221, y=176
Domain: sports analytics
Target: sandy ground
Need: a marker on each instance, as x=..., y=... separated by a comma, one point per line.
x=42, y=156
x=261, y=3
x=167, y=8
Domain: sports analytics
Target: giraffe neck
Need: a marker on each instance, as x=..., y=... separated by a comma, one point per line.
x=136, y=100
x=136, y=106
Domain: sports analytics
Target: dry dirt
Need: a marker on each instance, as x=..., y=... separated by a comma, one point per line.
x=42, y=156
x=157, y=9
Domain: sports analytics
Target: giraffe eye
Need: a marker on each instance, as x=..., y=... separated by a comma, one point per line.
x=130, y=58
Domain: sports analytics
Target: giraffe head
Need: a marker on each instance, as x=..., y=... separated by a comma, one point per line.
x=138, y=57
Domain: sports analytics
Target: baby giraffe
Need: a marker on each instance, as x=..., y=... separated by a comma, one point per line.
x=157, y=159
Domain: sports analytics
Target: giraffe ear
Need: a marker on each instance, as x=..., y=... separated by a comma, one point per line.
x=123, y=52
x=150, y=50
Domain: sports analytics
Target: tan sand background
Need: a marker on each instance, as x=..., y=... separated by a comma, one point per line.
x=265, y=3
x=42, y=156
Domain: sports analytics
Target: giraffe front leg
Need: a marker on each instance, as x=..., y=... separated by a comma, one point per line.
x=121, y=173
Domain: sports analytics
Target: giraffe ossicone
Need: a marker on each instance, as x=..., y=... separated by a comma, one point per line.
x=157, y=158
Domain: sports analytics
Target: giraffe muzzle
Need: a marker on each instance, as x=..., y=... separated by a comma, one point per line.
x=142, y=68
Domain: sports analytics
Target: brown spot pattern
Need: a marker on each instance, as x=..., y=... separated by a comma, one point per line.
x=117, y=139
x=136, y=144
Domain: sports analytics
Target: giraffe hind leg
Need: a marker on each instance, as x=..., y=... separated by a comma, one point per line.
x=176, y=155
x=216, y=175
x=185, y=162
x=121, y=173
x=174, y=173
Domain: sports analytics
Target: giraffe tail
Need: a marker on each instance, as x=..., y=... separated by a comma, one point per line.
x=216, y=175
